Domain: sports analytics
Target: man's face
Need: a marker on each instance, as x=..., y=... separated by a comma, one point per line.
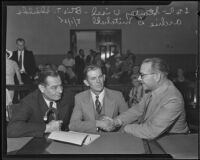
x=147, y=76
x=20, y=45
x=53, y=88
x=95, y=79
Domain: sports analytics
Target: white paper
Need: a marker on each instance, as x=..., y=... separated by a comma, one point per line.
x=73, y=137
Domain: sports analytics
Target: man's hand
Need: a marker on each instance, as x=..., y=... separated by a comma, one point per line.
x=105, y=124
x=53, y=126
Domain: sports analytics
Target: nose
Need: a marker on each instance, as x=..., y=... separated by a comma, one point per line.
x=60, y=89
x=98, y=80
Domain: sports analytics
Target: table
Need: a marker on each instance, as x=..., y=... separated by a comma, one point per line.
x=109, y=143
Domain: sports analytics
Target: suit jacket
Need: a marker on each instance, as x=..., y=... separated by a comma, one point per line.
x=165, y=113
x=27, y=120
x=83, y=116
x=29, y=62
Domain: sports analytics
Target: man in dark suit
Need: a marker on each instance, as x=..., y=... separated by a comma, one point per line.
x=95, y=106
x=26, y=61
x=79, y=66
x=45, y=110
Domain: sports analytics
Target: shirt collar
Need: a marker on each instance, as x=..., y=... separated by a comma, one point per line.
x=101, y=96
x=48, y=102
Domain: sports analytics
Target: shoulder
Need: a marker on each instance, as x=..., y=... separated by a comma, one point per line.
x=112, y=92
x=82, y=95
x=32, y=97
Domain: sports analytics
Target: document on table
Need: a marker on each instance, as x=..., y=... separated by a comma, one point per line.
x=77, y=138
x=14, y=144
x=180, y=146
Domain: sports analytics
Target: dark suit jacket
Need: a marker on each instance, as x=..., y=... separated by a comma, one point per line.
x=28, y=118
x=83, y=116
x=29, y=62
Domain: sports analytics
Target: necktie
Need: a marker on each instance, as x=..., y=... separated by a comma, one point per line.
x=141, y=119
x=98, y=105
x=51, y=113
x=20, y=60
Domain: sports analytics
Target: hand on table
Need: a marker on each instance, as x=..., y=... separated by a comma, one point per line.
x=53, y=126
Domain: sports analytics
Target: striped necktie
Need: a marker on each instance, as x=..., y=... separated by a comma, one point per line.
x=98, y=105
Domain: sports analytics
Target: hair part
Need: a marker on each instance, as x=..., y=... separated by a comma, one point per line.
x=91, y=67
x=158, y=64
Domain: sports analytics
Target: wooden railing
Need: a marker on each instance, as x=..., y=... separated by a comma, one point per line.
x=25, y=89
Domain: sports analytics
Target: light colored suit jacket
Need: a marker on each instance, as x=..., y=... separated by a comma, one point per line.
x=83, y=116
x=165, y=114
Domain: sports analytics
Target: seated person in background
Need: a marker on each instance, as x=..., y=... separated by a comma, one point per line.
x=136, y=93
x=93, y=104
x=161, y=110
x=45, y=110
x=180, y=77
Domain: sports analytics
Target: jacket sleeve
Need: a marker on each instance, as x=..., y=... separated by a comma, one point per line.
x=78, y=122
x=165, y=117
x=123, y=106
x=133, y=113
x=20, y=124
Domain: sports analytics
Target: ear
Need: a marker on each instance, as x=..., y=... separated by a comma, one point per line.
x=157, y=77
x=41, y=88
x=86, y=82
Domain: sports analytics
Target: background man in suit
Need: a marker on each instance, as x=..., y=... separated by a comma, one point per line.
x=79, y=66
x=161, y=110
x=26, y=61
x=43, y=110
x=92, y=105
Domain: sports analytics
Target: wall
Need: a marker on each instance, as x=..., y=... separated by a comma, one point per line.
x=170, y=29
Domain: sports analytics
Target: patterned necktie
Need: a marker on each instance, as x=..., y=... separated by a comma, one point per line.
x=98, y=105
x=20, y=60
x=141, y=119
x=51, y=113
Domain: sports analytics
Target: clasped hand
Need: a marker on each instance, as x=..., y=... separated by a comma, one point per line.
x=53, y=126
x=106, y=123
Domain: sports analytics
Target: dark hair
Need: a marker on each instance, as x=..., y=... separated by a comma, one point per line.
x=46, y=73
x=89, y=68
x=20, y=39
x=158, y=64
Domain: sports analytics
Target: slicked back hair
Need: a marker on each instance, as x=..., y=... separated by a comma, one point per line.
x=158, y=64
x=47, y=73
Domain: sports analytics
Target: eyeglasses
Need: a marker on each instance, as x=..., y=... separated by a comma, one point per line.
x=142, y=75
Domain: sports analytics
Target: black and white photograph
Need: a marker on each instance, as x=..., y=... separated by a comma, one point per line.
x=100, y=79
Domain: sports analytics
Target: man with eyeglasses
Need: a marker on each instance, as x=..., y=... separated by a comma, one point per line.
x=160, y=111
x=45, y=110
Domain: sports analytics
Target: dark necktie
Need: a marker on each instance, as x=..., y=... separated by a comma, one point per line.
x=98, y=105
x=141, y=119
x=51, y=113
x=20, y=60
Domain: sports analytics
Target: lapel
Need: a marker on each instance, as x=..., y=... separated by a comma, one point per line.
x=155, y=107
x=108, y=104
x=89, y=107
x=42, y=104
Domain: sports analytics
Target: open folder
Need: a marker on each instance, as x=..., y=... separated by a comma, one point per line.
x=77, y=138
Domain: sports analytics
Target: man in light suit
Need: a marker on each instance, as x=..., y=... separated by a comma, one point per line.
x=160, y=111
x=46, y=109
x=95, y=106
